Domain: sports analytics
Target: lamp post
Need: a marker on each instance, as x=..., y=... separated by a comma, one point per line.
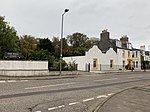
x=62, y=25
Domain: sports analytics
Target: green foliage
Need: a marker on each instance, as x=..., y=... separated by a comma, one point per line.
x=79, y=43
x=56, y=46
x=9, y=41
x=77, y=39
x=45, y=44
x=56, y=65
x=66, y=51
x=40, y=55
x=44, y=49
x=128, y=67
x=89, y=43
x=147, y=62
x=79, y=51
x=44, y=55
x=72, y=66
x=28, y=45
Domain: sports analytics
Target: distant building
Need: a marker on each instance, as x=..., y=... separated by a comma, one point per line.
x=94, y=39
x=145, y=54
x=149, y=48
x=143, y=47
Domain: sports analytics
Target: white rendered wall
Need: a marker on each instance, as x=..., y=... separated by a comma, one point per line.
x=23, y=65
x=94, y=52
x=23, y=68
x=79, y=60
x=103, y=59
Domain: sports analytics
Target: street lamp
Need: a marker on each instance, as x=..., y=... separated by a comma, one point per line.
x=62, y=23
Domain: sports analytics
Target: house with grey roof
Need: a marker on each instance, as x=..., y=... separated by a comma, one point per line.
x=109, y=54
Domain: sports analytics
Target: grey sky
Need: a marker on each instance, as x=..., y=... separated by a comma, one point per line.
x=42, y=18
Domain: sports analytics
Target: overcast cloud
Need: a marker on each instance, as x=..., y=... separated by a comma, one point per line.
x=42, y=18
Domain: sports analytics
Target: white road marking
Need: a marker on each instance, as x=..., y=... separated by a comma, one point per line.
x=2, y=81
x=131, y=77
x=73, y=103
x=53, y=108
x=37, y=87
x=61, y=106
x=110, y=94
x=23, y=80
x=135, y=77
x=11, y=81
x=102, y=96
x=89, y=99
x=105, y=79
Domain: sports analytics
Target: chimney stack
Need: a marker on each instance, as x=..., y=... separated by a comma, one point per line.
x=142, y=47
x=104, y=35
x=124, y=38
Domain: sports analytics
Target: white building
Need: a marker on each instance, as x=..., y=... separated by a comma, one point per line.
x=149, y=48
x=110, y=54
x=145, y=54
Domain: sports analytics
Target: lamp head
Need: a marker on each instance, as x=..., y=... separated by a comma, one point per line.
x=66, y=10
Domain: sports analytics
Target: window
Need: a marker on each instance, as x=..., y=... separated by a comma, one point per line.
x=123, y=64
x=133, y=63
x=129, y=56
x=133, y=54
x=95, y=62
x=111, y=63
x=123, y=54
x=136, y=54
x=137, y=64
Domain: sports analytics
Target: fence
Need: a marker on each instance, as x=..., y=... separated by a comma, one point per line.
x=146, y=67
x=66, y=67
x=100, y=67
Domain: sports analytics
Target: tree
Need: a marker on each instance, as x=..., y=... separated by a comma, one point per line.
x=45, y=44
x=40, y=55
x=90, y=42
x=28, y=45
x=77, y=39
x=56, y=45
x=78, y=43
x=79, y=51
x=9, y=41
x=66, y=49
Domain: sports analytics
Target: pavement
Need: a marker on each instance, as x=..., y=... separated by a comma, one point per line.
x=36, y=77
x=69, y=74
x=52, y=75
x=135, y=99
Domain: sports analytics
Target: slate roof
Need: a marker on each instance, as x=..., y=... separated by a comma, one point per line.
x=105, y=45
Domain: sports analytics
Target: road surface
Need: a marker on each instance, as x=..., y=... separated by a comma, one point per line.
x=80, y=94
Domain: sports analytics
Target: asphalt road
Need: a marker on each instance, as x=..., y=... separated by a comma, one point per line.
x=80, y=94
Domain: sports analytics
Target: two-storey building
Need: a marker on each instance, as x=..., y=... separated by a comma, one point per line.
x=109, y=54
